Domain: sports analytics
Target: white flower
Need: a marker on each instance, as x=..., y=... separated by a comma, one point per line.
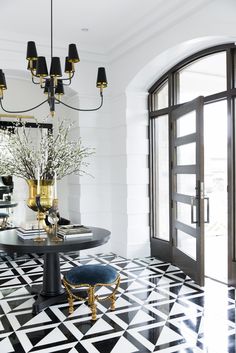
x=21, y=156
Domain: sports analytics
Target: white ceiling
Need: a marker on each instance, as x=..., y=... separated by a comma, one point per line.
x=111, y=23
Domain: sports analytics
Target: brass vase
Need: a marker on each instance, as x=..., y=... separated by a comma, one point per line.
x=46, y=198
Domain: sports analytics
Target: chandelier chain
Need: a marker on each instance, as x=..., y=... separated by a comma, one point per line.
x=51, y=29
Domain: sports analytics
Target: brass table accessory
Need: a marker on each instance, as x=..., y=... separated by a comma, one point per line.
x=53, y=219
x=41, y=202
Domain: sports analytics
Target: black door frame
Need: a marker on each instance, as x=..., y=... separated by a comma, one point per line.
x=159, y=247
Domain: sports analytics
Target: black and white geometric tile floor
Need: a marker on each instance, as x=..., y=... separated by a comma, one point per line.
x=158, y=309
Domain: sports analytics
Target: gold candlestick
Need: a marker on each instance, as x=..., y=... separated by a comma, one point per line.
x=39, y=218
x=53, y=218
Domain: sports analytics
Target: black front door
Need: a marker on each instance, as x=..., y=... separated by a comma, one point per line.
x=187, y=177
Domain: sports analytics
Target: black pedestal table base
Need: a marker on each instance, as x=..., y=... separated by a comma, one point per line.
x=43, y=302
x=51, y=291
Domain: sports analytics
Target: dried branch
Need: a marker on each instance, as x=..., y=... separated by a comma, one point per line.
x=21, y=156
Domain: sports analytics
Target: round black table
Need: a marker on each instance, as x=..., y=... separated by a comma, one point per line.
x=51, y=291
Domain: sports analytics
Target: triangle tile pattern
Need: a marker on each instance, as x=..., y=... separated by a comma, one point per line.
x=158, y=309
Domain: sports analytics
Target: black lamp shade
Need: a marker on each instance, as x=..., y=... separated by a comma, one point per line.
x=59, y=88
x=3, y=84
x=73, y=55
x=55, y=69
x=41, y=67
x=33, y=65
x=47, y=85
x=68, y=66
x=101, y=78
x=31, y=53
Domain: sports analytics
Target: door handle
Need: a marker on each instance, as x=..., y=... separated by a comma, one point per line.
x=192, y=210
x=208, y=210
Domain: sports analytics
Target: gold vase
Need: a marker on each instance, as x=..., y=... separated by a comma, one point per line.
x=46, y=198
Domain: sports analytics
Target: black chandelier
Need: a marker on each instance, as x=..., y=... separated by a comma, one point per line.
x=53, y=83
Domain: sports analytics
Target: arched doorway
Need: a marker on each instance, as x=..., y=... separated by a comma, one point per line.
x=192, y=165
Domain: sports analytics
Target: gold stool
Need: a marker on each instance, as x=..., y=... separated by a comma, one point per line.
x=90, y=277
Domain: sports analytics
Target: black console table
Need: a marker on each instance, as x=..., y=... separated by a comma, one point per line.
x=51, y=291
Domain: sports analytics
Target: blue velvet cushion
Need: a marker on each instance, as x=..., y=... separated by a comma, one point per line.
x=91, y=275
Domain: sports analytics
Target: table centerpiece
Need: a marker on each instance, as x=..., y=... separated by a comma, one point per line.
x=42, y=162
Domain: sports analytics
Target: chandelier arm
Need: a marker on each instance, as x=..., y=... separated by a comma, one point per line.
x=33, y=74
x=82, y=110
x=66, y=84
x=69, y=78
x=36, y=83
x=21, y=111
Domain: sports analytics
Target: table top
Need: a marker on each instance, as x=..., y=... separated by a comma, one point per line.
x=10, y=242
x=7, y=204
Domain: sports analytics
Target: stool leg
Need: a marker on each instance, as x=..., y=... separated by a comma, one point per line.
x=71, y=305
x=113, y=300
x=113, y=296
x=89, y=297
x=92, y=303
x=70, y=298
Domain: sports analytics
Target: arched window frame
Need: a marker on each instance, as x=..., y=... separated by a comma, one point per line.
x=229, y=94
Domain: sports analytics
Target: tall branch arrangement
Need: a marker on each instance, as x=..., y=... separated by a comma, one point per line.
x=22, y=155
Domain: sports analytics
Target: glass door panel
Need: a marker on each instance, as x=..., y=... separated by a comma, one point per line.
x=161, y=191
x=186, y=213
x=188, y=189
x=186, y=125
x=186, y=244
x=186, y=184
x=186, y=154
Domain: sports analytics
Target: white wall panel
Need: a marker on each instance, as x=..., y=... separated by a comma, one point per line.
x=138, y=191
x=118, y=169
x=139, y=176
x=138, y=205
x=137, y=161
x=118, y=198
x=95, y=198
x=138, y=220
x=97, y=219
x=138, y=235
